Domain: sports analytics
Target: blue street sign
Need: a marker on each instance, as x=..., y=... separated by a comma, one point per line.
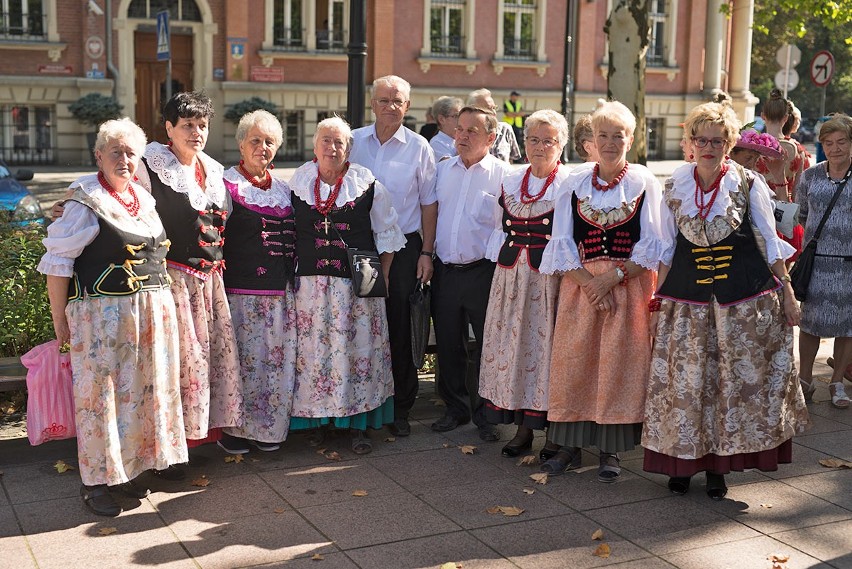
x=164, y=50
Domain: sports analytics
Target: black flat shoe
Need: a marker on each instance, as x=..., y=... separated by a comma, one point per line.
x=716, y=487
x=99, y=501
x=548, y=451
x=447, y=423
x=679, y=485
x=400, y=428
x=514, y=448
x=171, y=473
x=566, y=458
x=489, y=433
x=134, y=490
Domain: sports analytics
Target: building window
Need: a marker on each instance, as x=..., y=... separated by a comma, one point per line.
x=293, y=147
x=302, y=25
x=657, y=17
x=656, y=139
x=446, y=25
x=185, y=10
x=287, y=29
x=332, y=22
x=519, y=37
x=22, y=20
x=26, y=134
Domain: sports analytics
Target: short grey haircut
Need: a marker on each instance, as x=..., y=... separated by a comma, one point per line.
x=394, y=81
x=615, y=113
x=551, y=118
x=124, y=130
x=444, y=106
x=490, y=117
x=335, y=123
x=265, y=122
x=477, y=98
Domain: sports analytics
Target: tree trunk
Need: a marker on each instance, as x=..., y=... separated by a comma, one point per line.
x=627, y=30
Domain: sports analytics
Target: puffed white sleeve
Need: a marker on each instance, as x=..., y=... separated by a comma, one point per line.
x=763, y=218
x=384, y=221
x=561, y=254
x=66, y=239
x=656, y=241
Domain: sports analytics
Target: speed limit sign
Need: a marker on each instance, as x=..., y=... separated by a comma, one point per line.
x=822, y=68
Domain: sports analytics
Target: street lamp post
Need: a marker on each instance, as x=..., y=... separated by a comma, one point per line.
x=357, y=63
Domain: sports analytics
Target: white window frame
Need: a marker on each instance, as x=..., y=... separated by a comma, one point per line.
x=309, y=17
x=49, y=42
x=539, y=11
x=669, y=66
x=466, y=7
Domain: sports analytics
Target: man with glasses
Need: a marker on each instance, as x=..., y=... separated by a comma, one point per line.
x=467, y=187
x=404, y=163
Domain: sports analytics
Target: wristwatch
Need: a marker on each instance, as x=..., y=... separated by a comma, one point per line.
x=619, y=273
x=430, y=254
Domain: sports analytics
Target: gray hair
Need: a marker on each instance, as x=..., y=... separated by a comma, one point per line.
x=265, y=122
x=477, y=98
x=615, y=113
x=443, y=106
x=551, y=118
x=401, y=84
x=490, y=117
x=335, y=123
x=122, y=129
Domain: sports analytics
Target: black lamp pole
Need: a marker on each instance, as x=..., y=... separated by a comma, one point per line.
x=568, y=66
x=357, y=63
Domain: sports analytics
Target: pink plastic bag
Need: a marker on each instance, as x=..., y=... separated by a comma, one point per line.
x=50, y=394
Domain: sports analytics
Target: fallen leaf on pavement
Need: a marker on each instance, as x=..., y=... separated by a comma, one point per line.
x=767, y=506
x=201, y=482
x=359, y=493
x=390, y=439
x=598, y=535
x=528, y=491
x=332, y=455
x=237, y=458
x=107, y=531
x=603, y=551
x=508, y=511
x=317, y=557
x=835, y=463
x=527, y=460
x=279, y=510
x=779, y=560
x=539, y=477
x=468, y=449
x=61, y=466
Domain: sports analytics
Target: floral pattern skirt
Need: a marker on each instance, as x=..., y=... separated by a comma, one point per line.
x=343, y=365
x=265, y=328
x=209, y=365
x=125, y=368
x=515, y=363
x=723, y=380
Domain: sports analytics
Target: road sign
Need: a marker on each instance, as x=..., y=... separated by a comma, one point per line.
x=822, y=68
x=795, y=55
x=164, y=50
x=786, y=80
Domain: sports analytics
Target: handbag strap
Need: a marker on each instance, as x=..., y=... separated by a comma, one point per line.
x=840, y=185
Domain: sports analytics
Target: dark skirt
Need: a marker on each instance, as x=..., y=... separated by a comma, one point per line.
x=767, y=461
x=607, y=438
x=530, y=418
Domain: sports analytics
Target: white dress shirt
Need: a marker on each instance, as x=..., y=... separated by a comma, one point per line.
x=468, y=212
x=443, y=145
x=404, y=164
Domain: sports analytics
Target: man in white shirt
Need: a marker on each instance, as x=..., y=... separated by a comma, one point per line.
x=467, y=187
x=446, y=112
x=404, y=163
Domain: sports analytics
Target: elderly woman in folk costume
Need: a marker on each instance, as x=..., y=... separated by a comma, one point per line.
x=110, y=299
x=259, y=250
x=343, y=368
x=723, y=393
x=607, y=243
x=521, y=312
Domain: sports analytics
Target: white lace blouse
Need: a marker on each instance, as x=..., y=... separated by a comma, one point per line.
x=180, y=178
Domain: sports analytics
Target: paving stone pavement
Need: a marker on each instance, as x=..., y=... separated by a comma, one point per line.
x=426, y=504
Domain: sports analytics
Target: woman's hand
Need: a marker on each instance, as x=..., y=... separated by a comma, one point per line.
x=791, y=307
x=597, y=288
x=61, y=329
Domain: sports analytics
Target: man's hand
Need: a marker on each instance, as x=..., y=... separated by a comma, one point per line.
x=425, y=268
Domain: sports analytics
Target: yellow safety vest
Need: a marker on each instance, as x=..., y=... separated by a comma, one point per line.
x=517, y=121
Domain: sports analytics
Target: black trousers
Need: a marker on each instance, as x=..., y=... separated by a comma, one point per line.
x=402, y=280
x=460, y=296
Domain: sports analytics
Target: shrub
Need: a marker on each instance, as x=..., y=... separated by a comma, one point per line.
x=94, y=109
x=25, y=319
x=236, y=112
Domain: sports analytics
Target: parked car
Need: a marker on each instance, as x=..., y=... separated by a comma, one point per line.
x=17, y=204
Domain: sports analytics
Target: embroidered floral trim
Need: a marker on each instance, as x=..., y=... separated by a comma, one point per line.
x=181, y=178
x=356, y=181
x=277, y=197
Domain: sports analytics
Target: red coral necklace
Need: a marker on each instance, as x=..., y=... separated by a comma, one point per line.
x=615, y=181
x=264, y=184
x=325, y=206
x=700, y=194
x=132, y=207
x=526, y=197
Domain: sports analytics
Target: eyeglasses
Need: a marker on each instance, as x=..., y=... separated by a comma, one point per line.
x=393, y=103
x=716, y=143
x=546, y=142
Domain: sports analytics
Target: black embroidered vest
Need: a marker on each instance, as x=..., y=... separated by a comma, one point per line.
x=117, y=262
x=524, y=234
x=733, y=270
x=196, y=235
x=319, y=249
x=260, y=248
x=614, y=241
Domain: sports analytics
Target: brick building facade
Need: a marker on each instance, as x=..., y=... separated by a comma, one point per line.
x=293, y=53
